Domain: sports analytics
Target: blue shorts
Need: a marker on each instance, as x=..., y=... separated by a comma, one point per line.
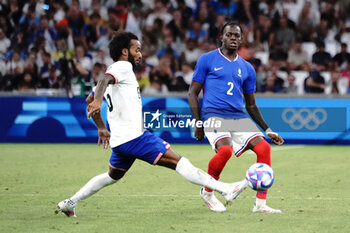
x=146, y=147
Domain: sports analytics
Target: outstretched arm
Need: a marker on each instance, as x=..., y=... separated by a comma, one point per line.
x=193, y=94
x=94, y=109
x=254, y=112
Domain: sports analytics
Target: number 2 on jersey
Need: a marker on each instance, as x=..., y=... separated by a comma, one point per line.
x=229, y=92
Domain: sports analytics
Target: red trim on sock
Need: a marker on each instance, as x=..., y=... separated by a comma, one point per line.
x=261, y=194
x=218, y=162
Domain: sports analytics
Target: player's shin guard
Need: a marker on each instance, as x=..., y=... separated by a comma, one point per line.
x=197, y=176
x=93, y=186
x=263, y=153
x=218, y=162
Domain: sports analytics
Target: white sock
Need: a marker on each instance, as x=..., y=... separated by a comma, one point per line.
x=197, y=176
x=260, y=202
x=93, y=186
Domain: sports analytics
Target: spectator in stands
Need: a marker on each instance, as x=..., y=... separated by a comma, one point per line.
x=103, y=41
x=46, y=66
x=341, y=59
x=160, y=11
x=29, y=21
x=169, y=49
x=269, y=86
x=47, y=32
x=30, y=65
x=59, y=12
x=15, y=65
x=278, y=81
x=321, y=57
x=315, y=83
x=176, y=25
x=205, y=17
x=197, y=33
x=263, y=33
x=102, y=57
x=97, y=72
x=4, y=44
x=186, y=13
x=96, y=7
x=192, y=52
x=256, y=62
x=93, y=31
x=224, y=7
x=278, y=57
x=81, y=61
x=215, y=28
x=284, y=35
x=76, y=20
x=15, y=13
x=291, y=87
x=345, y=73
x=308, y=19
x=54, y=79
x=141, y=77
x=18, y=41
x=297, y=58
x=321, y=30
x=335, y=77
x=163, y=72
x=113, y=18
x=156, y=87
x=5, y=25
x=185, y=74
x=345, y=33
x=26, y=82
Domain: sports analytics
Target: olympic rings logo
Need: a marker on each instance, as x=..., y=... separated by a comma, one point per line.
x=304, y=117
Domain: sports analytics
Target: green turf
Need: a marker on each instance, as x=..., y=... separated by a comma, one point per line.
x=311, y=187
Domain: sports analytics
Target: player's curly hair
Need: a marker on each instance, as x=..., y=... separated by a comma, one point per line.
x=120, y=41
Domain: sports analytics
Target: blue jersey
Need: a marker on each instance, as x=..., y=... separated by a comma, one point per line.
x=224, y=82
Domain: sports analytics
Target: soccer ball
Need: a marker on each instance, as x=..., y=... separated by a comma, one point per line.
x=260, y=176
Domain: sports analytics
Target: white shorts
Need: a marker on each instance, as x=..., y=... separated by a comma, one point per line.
x=241, y=131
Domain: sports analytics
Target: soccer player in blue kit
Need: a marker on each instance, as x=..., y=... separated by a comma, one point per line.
x=228, y=82
x=127, y=139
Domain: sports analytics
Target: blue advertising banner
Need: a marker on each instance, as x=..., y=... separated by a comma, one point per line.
x=56, y=119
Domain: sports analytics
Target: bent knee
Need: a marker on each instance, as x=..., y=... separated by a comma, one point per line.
x=116, y=173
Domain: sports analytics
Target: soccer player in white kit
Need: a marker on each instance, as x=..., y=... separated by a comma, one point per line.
x=127, y=139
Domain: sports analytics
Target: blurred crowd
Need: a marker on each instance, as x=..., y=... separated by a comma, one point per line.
x=63, y=44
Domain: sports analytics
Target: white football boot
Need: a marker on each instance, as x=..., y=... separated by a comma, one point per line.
x=234, y=190
x=265, y=209
x=67, y=207
x=211, y=201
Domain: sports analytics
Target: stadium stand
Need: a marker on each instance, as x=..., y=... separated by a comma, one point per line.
x=42, y=38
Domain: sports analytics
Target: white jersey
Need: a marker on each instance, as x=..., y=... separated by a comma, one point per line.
x=124, y=104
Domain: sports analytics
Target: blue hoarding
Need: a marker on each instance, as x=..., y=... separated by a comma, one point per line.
x=50, y=119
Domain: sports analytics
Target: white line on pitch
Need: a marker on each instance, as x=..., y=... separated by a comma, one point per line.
x=181, y=196
x=277, y=148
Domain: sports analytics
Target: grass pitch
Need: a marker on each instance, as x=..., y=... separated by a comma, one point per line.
x=311, y=187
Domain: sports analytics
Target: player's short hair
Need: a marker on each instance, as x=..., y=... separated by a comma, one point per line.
x=119, y=42
x=231, y=23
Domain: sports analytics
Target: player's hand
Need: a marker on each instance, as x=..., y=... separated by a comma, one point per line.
x=275, y=138
x=199, y=133
x=94, y=107
x=103, y=138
